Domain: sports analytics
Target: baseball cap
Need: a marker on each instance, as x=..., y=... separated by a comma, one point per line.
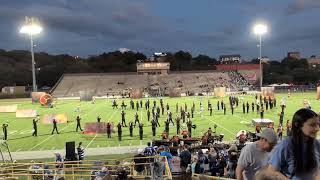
x=140, y=151
x=269, y=134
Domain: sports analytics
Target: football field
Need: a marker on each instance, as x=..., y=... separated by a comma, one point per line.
x=20, y=129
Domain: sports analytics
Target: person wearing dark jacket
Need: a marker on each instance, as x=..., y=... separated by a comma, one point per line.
x=78, y=124
x=119, y=131
x=167, y=123
x=139, y=161
x=136, y=117
x=123, y=119
x=5, y=131
x=108, y=129
x=154, y=127
x=141, y=131
x=55, y=128
x=189, y=125
x=35, y=127
x=185, y=159
x=131, y=128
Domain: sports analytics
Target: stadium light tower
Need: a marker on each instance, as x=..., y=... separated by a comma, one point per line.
x=260, y=30
x=31, y=28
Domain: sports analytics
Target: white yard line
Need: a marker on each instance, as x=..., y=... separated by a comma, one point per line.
x=49, y=137
x=22, y=130
x=92, y=140
x=18, y=150
x=219, y=125
x=11, y=134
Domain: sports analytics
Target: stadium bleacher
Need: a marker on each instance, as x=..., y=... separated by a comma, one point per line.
x=118, y=83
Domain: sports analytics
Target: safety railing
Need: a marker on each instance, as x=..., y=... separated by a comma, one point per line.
x=211, y=177
x=137, y=167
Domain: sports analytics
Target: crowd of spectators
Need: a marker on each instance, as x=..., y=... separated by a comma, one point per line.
x=238, y=79
x=295, y=157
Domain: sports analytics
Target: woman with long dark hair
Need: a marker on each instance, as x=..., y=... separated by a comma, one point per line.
x=298, y=156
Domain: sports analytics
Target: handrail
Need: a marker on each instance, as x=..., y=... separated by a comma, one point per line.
x=85, y=168
x=211, y=177
x=56, y=84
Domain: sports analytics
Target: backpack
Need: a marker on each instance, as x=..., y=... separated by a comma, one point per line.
x=197, y=168
x=203, y=159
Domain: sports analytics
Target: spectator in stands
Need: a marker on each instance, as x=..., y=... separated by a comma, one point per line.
x=289, y=128
x=185, y=159
x=48, y=174
x=139, y=161
x=280, y=132
x=255, y=155
x=213, y=165
x=59, y=164
x=158, y=167
x=232, y=163
x=165, y=151
x=202, y=160
x=58, y=160
x=101, y=174
x=149, y=150
x=221, y=163
x=298, y=156
x=195, y=165
x=35, y=170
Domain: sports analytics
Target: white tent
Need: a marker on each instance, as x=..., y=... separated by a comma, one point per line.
x=279, y=85
x=274, y=85
x=284, y=84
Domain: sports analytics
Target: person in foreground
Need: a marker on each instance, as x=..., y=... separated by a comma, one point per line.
x=298, y=156
x=255, y=156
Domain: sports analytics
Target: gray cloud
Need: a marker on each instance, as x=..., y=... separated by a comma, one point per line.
x=298, y=6
x=85, y=27
x=309, y=34
x=107, y=19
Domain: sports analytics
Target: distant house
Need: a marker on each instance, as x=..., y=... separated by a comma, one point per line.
x=265, y=59
x=153, y=68
x=293, y=55
x=314, y=61
x=157, y=64
x=230, y=59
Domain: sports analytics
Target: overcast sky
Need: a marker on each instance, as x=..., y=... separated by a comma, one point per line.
x=212, y=27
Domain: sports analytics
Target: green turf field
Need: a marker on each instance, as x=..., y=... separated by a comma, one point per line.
x=20, y=129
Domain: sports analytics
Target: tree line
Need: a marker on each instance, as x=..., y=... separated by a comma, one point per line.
x=15, y=66
x=289, y=70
